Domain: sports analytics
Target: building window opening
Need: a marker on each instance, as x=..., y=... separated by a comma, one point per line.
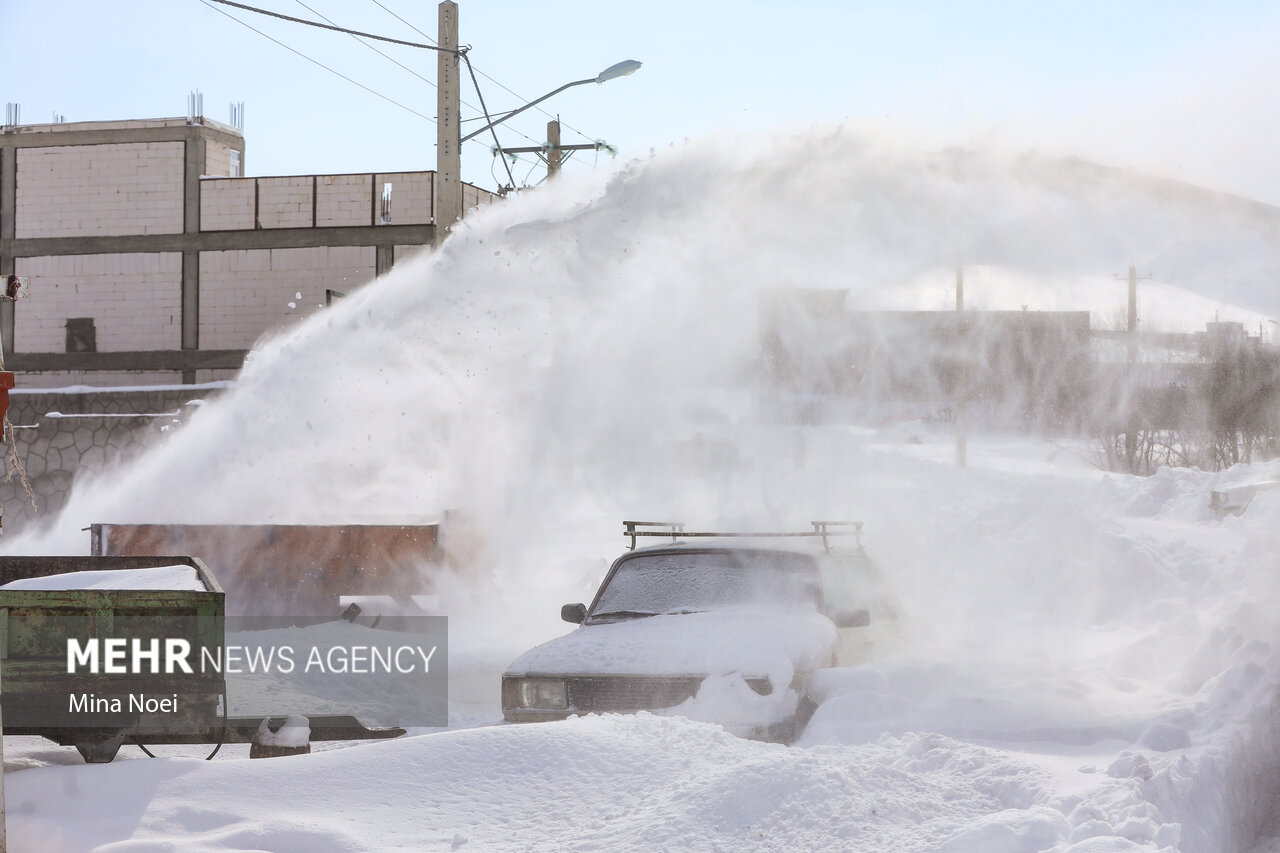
x=386, y=204
x=235, y=163
x=81, y=335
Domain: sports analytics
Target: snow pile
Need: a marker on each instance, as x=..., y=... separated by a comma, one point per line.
x=161, y=577
x=601, y=782
x=1130, y=705
x=727, y=700
x=295, y=732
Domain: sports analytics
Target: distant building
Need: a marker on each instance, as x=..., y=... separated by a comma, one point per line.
x=1032, y=366
x=151, y=260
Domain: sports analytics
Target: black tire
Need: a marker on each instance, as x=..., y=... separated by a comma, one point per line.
x=100, y=748
x=789, y=730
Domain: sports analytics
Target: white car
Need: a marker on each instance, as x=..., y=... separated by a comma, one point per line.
x=723, y=627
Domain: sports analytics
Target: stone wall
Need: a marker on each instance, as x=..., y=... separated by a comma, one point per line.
x=62, y=435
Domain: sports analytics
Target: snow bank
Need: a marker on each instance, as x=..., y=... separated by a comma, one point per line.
x=593, y=783
x=160, y=577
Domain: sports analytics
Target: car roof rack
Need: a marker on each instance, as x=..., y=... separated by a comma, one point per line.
x=675, y=529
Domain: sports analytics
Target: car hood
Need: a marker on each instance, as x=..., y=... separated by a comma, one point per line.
x=754, y=642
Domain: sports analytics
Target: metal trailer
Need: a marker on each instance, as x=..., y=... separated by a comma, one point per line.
x=35, y=686
x=277, y=575
x=36, y=624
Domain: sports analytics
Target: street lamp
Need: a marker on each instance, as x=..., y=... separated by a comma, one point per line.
x=620, y=69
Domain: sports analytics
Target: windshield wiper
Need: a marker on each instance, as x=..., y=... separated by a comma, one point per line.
x=623, y=614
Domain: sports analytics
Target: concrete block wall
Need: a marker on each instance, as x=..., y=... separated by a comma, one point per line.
x=226, y=204
x=473, y=197
x=99, y=190
x=134, y=299
x=343, y=200
x=411, y=194
x=285, y=202
x=246, y=294
x=408, y=253
x=206, y=376
x=217, y=159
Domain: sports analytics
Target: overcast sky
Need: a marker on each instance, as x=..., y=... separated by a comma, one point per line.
x=1183, y=89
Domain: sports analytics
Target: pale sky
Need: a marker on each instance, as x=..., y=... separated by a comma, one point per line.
x=1181, y=89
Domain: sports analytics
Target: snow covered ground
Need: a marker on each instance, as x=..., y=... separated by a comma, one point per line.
x=1092, y=660
x=1094, y=670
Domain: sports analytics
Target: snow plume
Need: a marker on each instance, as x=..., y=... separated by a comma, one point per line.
x=563, y=345
x=592, y=352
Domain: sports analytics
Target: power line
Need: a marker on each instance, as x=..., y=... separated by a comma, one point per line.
x=308, y=58
x=371, y=47
x=352, y=33
x=403, y=21
x=492, y=129
x=462, y=52
x=484, y=75
x=330, y=26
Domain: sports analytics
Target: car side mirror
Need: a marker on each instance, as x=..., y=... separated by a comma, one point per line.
x=574, y=613
x=859, y=618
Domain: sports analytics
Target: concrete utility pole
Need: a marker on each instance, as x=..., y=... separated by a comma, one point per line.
x=448, y=180
x=1133, y=311
x=1131, y=429
x=553, y=149
x=962, y=381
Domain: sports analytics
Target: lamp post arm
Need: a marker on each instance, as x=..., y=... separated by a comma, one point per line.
x=533, y=103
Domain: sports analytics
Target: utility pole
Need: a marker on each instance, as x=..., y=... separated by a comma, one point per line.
x=553, y=149
x=553, y=152
x=448, y=180
x=1133, y=311
x=1131, y=336
x=962, y=381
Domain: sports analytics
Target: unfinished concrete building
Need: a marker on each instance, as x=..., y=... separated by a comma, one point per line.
x=153, y=261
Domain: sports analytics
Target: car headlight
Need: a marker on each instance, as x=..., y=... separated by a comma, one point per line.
x=534, y=693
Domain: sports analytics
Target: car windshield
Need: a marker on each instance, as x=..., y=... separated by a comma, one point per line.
x=692, y=581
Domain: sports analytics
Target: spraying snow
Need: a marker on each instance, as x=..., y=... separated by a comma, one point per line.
x=1092, y=667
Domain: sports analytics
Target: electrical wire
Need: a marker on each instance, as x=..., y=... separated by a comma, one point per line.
x=334, y=27
x=390, y=100
x=430, y=83
x=484, y=75
x=357, y=34
x=392, y=59
x=485, y=109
